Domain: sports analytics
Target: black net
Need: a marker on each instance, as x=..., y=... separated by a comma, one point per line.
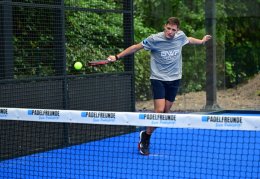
x=53, y=148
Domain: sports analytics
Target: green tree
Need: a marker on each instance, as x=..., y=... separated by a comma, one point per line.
x=242, y=44
x=89, y=36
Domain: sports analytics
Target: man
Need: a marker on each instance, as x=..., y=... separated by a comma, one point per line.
x=166, y=68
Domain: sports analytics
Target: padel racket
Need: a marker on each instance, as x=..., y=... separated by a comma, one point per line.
x=99, y=62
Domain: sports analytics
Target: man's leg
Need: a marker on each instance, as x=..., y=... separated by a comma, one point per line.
x=160, y=106
x=168, y=105
x=164, y=96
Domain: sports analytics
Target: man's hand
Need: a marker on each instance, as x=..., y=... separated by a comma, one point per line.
x=111, y=58
x=206, y=38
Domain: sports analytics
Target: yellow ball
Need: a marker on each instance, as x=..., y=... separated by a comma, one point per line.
x=78, y=65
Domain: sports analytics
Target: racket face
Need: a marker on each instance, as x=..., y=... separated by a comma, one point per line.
x=98, y=62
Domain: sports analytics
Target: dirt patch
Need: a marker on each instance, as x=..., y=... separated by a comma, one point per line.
x=245, y=96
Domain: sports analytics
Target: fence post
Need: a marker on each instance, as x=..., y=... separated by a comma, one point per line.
x=211, y=79
x=128, y=23
x=60, y=66
x=6, y=41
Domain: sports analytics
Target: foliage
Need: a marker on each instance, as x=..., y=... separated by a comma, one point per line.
x=241, y=46
x=142, y=74
x=32, y=43
x=142, y=62
x=95, y=34
x=154, y=12
x=89, y=37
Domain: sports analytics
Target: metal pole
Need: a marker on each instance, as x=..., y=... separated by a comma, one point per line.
x=211, y=79
x=6, y=41
x=128, y=25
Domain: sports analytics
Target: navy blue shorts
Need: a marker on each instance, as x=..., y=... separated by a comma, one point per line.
x=165, y=89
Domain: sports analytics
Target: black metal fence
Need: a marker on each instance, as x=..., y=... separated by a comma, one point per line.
x=40, y=41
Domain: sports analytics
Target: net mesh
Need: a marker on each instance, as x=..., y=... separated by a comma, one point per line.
x=44, y=147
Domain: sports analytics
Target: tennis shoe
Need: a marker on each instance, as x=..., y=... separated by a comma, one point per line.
x=144, y=143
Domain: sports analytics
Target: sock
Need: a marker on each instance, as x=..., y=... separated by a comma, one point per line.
x=147, y=136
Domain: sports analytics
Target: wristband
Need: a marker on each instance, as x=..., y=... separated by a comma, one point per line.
x=116, y=57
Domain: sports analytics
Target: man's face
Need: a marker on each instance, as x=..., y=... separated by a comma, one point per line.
x=170, y=30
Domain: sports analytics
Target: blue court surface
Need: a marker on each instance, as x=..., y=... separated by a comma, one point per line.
x=175, y=153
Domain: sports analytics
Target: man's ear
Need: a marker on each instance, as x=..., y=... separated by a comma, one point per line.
x=163, y=27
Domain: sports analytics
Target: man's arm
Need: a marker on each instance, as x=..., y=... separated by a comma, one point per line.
x=128, y=51
x=195, y=41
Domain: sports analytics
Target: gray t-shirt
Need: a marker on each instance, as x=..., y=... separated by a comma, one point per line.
x=166, y=55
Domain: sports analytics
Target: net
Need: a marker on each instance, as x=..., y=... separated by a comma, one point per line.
x=42, y=143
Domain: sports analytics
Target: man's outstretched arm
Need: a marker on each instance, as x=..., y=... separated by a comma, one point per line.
x=195, y=41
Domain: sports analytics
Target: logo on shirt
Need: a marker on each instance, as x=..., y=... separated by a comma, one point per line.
x=145, y=42
x=170, y=53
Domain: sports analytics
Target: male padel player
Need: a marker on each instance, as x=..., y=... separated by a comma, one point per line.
x=166, y=68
